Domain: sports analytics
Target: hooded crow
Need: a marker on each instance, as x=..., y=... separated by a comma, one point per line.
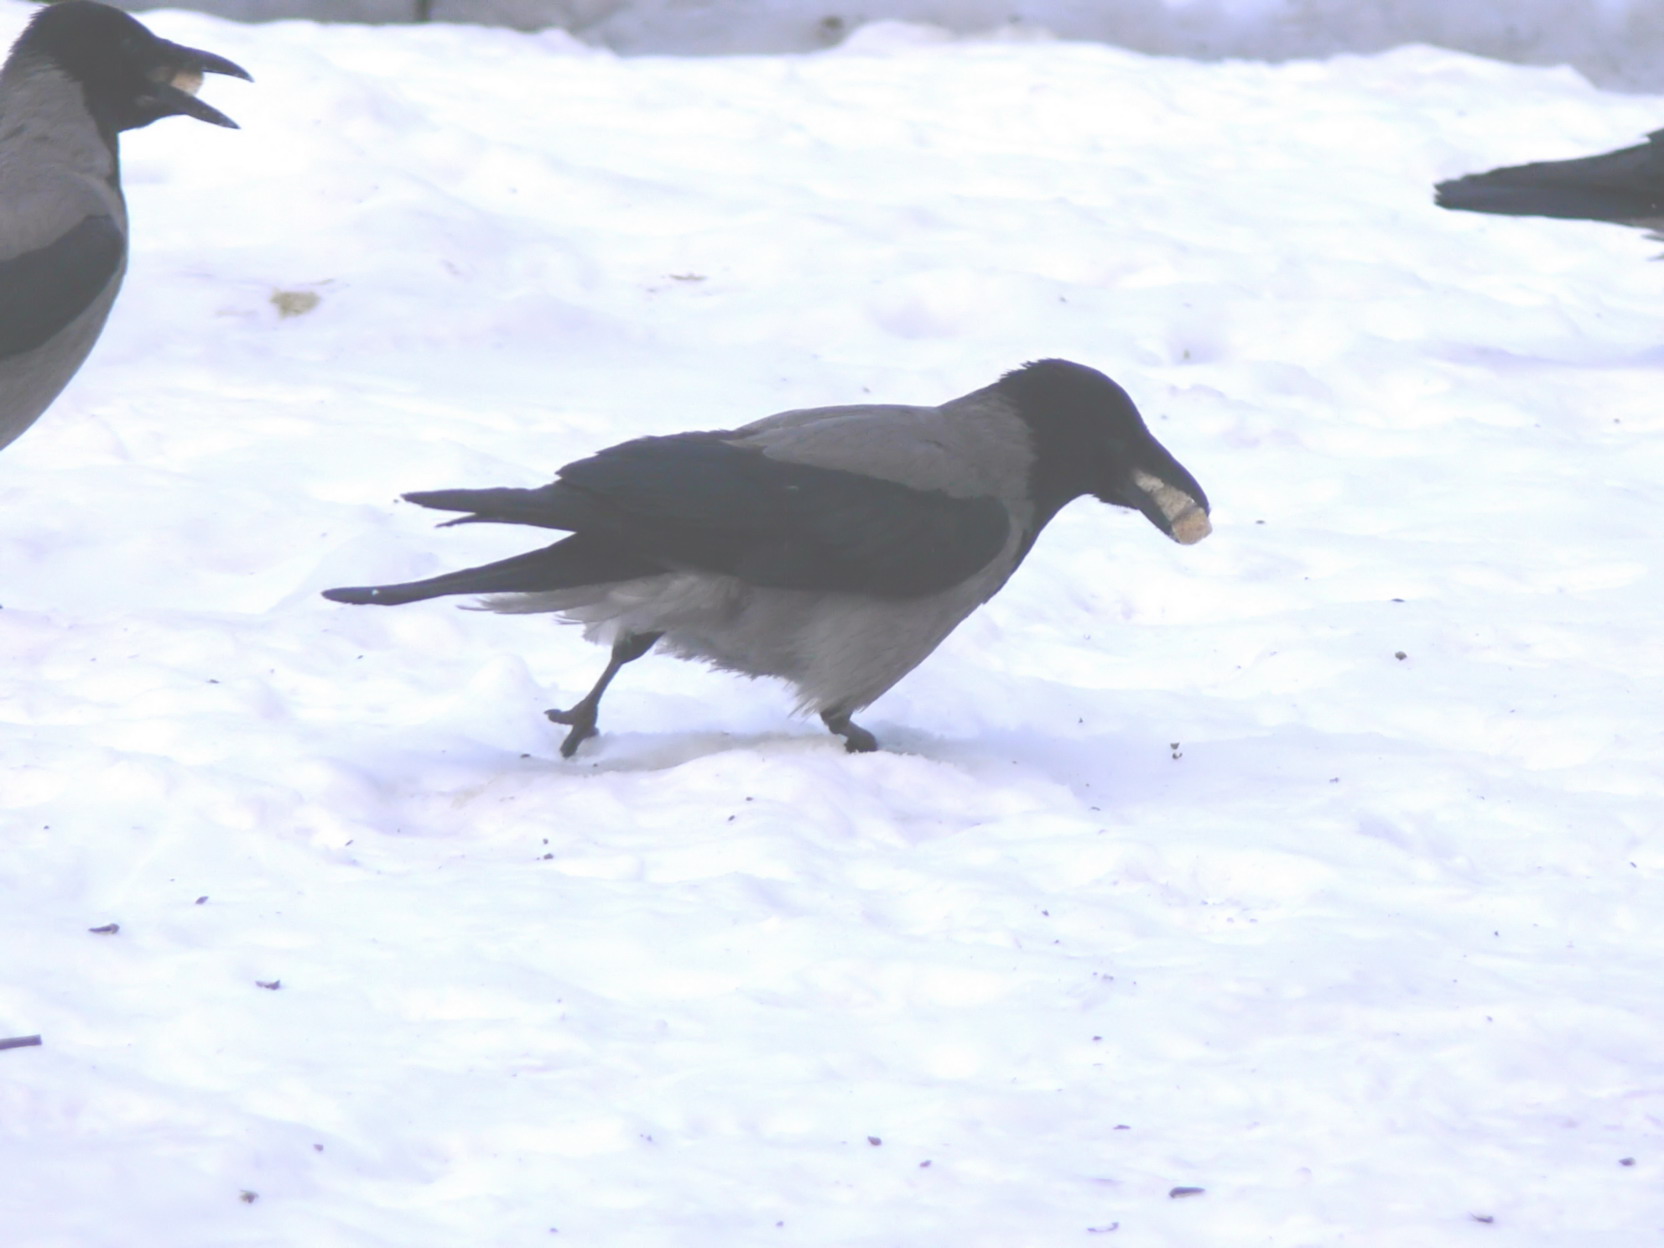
x=834, y=547
x=1625, y=187
x=78, y=75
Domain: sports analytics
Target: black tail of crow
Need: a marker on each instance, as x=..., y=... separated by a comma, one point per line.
x=542, y=507
x=574, y=561
x=1625, y=187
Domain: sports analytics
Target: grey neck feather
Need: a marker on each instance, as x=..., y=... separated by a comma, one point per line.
x=44, y=117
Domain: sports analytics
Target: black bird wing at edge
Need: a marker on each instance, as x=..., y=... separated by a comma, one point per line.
x=696, y=501
x=1625, y=187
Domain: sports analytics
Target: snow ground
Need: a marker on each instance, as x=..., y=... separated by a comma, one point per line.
x=1372, y=956
x=1618, y=43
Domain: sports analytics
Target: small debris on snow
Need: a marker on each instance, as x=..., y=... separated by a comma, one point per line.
x=295, y=302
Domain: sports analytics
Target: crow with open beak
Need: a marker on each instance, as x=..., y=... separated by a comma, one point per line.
x=833, y=547
x=79, y=75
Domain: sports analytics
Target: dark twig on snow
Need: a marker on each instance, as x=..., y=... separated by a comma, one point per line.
x=18, y=1042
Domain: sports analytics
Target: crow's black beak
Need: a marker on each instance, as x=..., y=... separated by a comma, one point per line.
x=178, y=77
x=1173, y=509
x=1149, y=480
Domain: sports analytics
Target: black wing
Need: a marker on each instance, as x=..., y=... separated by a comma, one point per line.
x=42, y=291
x=1625, y=187
x=694, y=500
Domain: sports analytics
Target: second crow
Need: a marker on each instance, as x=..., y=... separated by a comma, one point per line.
x=834, y=547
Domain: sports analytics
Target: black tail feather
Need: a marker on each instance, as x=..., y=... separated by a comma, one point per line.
x=1536, y=199
x=543, y=507
x=574, y=561
x=1624, y=187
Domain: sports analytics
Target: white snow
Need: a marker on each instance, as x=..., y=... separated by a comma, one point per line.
x=1372, y=954
x=1615, y=42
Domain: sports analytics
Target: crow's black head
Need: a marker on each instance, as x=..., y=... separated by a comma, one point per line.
x=1090, y=439
x=130, y=77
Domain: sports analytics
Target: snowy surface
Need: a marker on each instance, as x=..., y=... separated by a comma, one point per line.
x=1372, y=956
x=1616, y=42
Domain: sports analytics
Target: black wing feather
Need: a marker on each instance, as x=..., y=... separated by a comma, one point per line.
x=42, y=291
x=695, y=500
x=575, y=561
x=1625, y=187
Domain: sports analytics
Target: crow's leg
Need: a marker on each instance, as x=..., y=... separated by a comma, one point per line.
x=581, y=717
x=857, y=740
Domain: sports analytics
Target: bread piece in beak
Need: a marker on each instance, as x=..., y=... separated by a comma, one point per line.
x=179, y=77
x=1185, y=520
